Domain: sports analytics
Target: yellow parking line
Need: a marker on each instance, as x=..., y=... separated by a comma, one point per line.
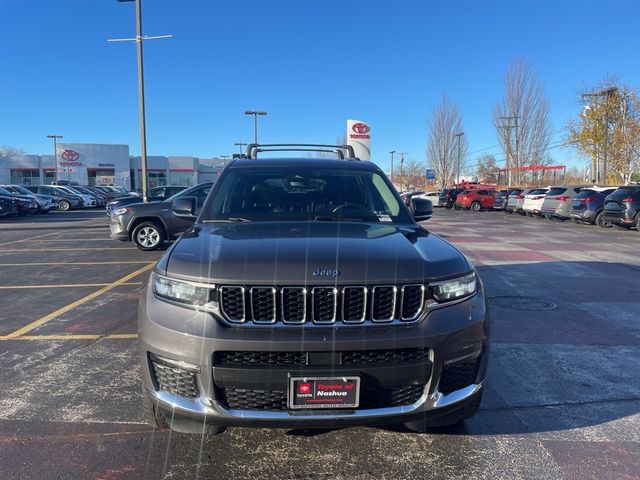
x=71, y=306
x=64, y=264
x=66, y=249
x=73, y=285
x=115, y=336
x=27, y=239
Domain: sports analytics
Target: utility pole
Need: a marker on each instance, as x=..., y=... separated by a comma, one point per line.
x=255, y=114
x=602, y=172
x=141, y=106
x=514, y=159
x=402, y=154
x=459, y=137
x=240, y=145
x=392, y=152
x=55, y=152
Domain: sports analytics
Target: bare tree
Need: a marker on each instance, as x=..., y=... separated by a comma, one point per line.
x=8, y=150
x=521, y=119
x=444, y=147
x=487, y=169
x=411, y=175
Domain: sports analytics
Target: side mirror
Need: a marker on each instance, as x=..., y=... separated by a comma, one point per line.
x=421, y=209
x=184, y=207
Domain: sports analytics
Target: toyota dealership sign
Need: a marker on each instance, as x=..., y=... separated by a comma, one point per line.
x=359, y=137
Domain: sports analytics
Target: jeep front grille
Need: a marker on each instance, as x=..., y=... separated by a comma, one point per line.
x=321, y=305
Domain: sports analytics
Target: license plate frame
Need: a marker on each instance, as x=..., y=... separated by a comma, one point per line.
x=324, y=384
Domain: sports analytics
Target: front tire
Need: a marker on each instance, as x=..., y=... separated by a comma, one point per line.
x=148, y=236
x=64, y=205
x=475, y=206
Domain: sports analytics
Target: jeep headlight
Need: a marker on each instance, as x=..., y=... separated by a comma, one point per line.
x=195, y=295
x=454, y=289
x=120, y=211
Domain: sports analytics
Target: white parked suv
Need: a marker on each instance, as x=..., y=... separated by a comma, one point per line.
x=533, y=201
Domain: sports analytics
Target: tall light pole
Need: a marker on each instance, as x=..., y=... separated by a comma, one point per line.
x=143, y=127
x=55, y=152
x=459, y=136
x=603, y=93
x=255, y=114
x=392, y=152
x=240, y=145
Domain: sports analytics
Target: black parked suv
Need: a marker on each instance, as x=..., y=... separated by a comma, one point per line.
x=588, y=205
x=622, y=207
x=155, y=194
x=448, y=197
x=306, y=295
x=150, y=225
x=8, y=206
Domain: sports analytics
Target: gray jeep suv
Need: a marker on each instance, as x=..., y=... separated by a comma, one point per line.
x=306, y=295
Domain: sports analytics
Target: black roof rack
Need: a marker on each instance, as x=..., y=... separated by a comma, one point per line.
x=254, y=148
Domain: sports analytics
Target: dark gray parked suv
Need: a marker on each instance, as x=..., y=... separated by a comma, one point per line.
x=150, y=225
x=306, y=295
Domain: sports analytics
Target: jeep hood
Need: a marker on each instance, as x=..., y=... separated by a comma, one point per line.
x=274, y=253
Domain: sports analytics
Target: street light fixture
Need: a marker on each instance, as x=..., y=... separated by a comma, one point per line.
x=255, y=114
x=240, y=145
x=55, y=152
x=143, y=129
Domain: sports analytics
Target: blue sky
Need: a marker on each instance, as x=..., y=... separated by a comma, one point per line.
x=311, y=65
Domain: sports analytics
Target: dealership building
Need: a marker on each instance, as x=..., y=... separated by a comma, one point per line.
x=105, y=164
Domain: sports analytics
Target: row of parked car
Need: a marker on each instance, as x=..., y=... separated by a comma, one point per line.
x=32, y=199
x=604, y=206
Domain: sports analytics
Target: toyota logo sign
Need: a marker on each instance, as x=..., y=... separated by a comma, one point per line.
x=70, y=155
x=360, y=128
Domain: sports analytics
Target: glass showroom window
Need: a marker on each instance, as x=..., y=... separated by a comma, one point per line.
x=25, y=177
x=184, y=179
x=157, y=178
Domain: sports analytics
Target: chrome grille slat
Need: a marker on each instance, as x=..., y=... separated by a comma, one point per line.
x=293, y=301
x=232, y=304
x=354, y=304
x=263, y=304
x=322, y=305
x=412, y=301
x=383, y=299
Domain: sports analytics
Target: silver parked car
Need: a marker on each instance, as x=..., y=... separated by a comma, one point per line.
x=557, y=202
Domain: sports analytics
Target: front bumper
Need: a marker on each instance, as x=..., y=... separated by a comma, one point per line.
x=189, y=341
x=118, y=227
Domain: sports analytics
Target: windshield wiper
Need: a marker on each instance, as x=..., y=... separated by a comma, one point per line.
x=337, y=219
x=228, y=220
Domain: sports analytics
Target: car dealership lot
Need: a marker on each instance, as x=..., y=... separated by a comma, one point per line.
x=562, y=400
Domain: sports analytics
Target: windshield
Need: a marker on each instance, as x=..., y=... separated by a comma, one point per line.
x=5, y=192
x=304, y=193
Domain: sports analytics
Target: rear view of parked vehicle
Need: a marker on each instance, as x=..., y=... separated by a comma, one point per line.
x=27, y=204
x=588, y=205
x=475, y=200
x=533, y=201
x=557, y=202
x=512, y=200
x=622, y=207
x=500, y=200
x=447, y=197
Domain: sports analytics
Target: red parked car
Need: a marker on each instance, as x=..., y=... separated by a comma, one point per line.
x=476, y=200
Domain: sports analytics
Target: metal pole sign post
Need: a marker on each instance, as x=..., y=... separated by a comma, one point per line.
x=141, y=106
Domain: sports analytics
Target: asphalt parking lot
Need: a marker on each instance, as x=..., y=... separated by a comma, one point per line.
x=562, y=400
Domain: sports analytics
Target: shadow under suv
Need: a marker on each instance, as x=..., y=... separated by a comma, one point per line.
x=306, y=295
